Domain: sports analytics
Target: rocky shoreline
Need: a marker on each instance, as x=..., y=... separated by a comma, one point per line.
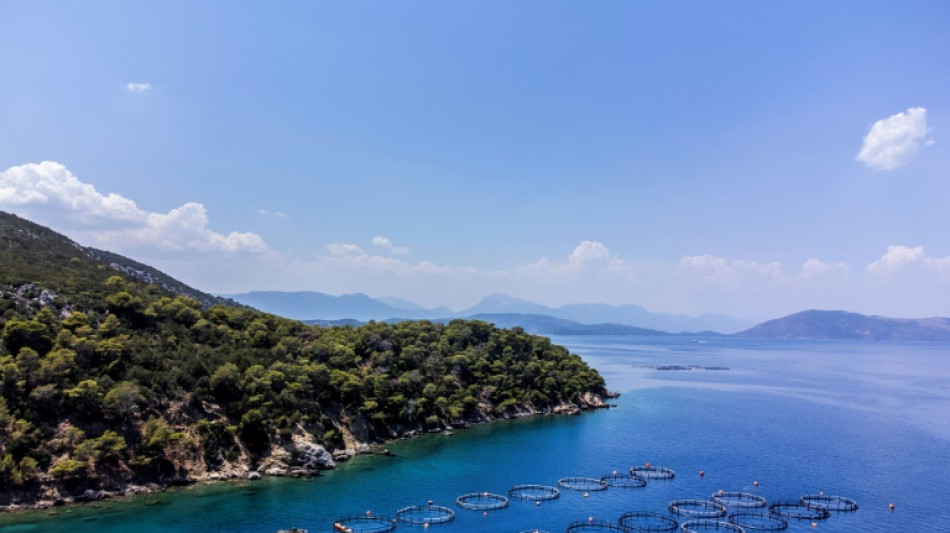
x=301, y=457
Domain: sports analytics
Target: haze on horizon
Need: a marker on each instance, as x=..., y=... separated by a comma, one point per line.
x=747, y=158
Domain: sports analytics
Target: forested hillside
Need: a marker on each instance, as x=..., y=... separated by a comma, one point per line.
x=107, y=381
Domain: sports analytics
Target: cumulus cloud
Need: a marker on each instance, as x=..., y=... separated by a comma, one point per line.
x=111, y=219
x=586, y=258
x=893, y=141
x=385, y=243
x=899, y=257
x=815, y=268
x=138, y=87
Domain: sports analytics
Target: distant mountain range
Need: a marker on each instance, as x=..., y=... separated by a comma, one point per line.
x=315, y=306
x=815, y=324
x=535, y=324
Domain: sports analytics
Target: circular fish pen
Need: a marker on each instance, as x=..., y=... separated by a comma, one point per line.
x=593, y=525
x=624, y=481
x=652, y=472
x=838, y=504
x=364, y=524
x=425, y=514
x=697, y=508
x=798, y=511
x=702, y=526
x=647, y=521
x=536, y=493
x=738, y=499
x=481, y=501
x=758, y=521
x=586, y=484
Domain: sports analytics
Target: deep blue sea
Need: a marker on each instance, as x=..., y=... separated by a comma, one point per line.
x=869, y=421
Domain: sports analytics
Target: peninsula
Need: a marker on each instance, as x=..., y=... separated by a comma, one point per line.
x=115, y=378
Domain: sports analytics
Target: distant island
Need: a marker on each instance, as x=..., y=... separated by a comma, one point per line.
x=115, y=378
x=815, y=324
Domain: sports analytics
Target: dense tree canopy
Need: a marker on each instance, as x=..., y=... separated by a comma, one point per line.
x=103, y=374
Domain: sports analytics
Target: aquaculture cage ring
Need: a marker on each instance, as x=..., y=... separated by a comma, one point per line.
x=738, y=499
x=798, y=511
x=624, y=481
x=481, y=501
x=594, y=525
x=653, y=472
x=425, y=514
x=697, y=509
x=585, y=484
x=364, y=524
x=838, y=504
x=703, y=526
x=536, y=493
x=758, y=521
x=647, y=521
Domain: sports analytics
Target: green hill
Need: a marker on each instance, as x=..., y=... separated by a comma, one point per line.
x=108, y=382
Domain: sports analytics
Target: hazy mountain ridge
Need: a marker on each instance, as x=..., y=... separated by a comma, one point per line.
x=314, y=306
x=843, y=325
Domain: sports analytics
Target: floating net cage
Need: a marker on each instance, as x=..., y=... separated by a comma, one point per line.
x=481, y=501
x=624, y=481
x=586, y=484
x=647, y=521
x=798, y=511
x=653, y=472
x=758, y=521
x=425, y=514
x=838, y=504
x=738, y=499
x=697, y=508
x=702, y=526
x=594, y=525
x=364, y=524
x=537, y=493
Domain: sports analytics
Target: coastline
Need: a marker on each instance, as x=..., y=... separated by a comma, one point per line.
x=278, y=465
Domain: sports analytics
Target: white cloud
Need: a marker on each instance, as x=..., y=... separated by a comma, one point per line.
x=138, y=87
x=728, y=272
x=898, y=258
x=50, y=189
x=815, y=268
x=589, y=251
x=894, y=140
x=272, y=213
x=345, y=249
x=384, y=242
x=587, y=258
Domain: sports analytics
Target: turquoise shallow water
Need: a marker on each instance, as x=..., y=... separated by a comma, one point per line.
x=864, y=420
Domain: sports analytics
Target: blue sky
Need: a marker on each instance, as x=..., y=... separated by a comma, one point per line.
x=748, y=158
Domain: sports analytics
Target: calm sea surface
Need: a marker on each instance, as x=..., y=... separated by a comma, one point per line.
x=870, y=421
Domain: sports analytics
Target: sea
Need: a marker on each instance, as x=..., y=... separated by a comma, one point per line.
x=780, y=419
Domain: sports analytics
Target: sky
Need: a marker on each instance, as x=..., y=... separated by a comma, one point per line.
x=747, y=158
